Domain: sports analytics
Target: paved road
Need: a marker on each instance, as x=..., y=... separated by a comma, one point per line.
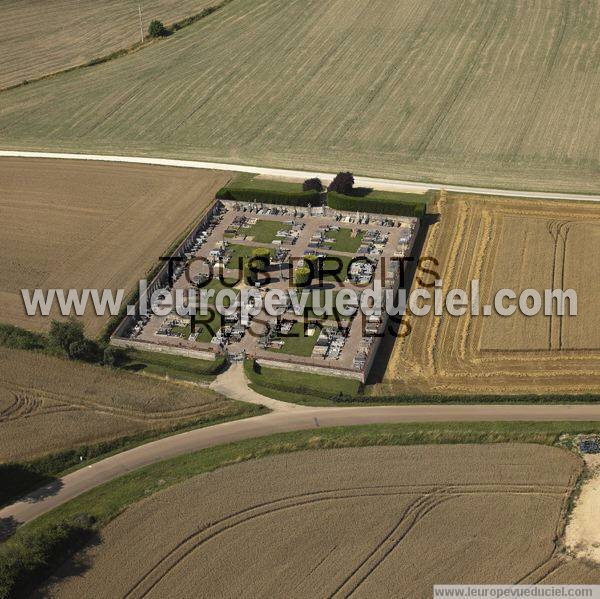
x=89, y=477
x=375, y=183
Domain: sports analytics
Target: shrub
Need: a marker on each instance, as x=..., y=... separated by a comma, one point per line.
x=313, y=185
x=259, y=262
x=16, y=338
x=64, y=334
x=157, y=29
x=342, y=183
x=302, y=276
x=84, y=350
x=262, y=255
x=114, y=356
x=27, y=559
x=376, y=205
x=268, y=196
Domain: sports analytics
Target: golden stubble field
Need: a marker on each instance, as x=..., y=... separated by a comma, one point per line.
x=369, y=522
x=45, y=37
x=48, y=404
x=72, y=224
x=506, y=244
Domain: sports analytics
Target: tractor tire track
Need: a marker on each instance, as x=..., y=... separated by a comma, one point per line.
x=430, y=497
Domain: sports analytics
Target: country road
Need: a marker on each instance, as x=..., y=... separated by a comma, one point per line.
x=284, y=418
x=375, y=183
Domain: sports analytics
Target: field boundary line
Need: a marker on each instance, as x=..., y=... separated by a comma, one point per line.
x=361, y=181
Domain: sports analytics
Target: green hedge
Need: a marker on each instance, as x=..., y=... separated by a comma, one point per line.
x=472, y=399
x=171, y=364
x=371, y=203
x=268, y=196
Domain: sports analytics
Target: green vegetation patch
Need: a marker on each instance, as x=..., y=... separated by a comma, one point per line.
x=345, y=240
x=333, y=263
x=244, y=252
x=176, y=367
x=298, y=342
x=265, y=231
x=314, y=388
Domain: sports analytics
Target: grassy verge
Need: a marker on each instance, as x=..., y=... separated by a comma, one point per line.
x=20, y=563
x=318, y=390
x=175, y=367
x=250, y=181
x=299, y=387
x=19, y=478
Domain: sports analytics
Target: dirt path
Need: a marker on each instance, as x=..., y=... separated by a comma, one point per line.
x=233, y=384
x=582, y=535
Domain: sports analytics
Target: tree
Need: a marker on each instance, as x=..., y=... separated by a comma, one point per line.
x=311, y=261
x=302, y=276
x=261, y=255
x=259, y=262
x=342, y=183
x=157, y=29
x=313, y=185
x=63, y=334
x=85, y=350
x=114, y=356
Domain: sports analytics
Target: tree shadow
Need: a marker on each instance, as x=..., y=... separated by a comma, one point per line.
x=360, y=192
x=75, y=565
x=48, y=490
x=24, y=482
x=135, y=367
x=8, y=526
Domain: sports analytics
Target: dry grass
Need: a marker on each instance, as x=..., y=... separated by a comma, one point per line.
x=43, y=37
x=49, y=404
x=501, y=93
x=90, y=225
x=370, y=521
x=517, y=245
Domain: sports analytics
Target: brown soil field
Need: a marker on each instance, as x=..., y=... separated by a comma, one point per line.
x=72, y=224
x=370, y=522
x=49, y=404
x=506, y=244
x=44, y=37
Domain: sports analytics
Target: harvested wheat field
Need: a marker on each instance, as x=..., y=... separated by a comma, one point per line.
x=42, y=37
x=501, y=93
x=73, y=224
x=48, y=404
x=370, y=522
x=507, y=244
